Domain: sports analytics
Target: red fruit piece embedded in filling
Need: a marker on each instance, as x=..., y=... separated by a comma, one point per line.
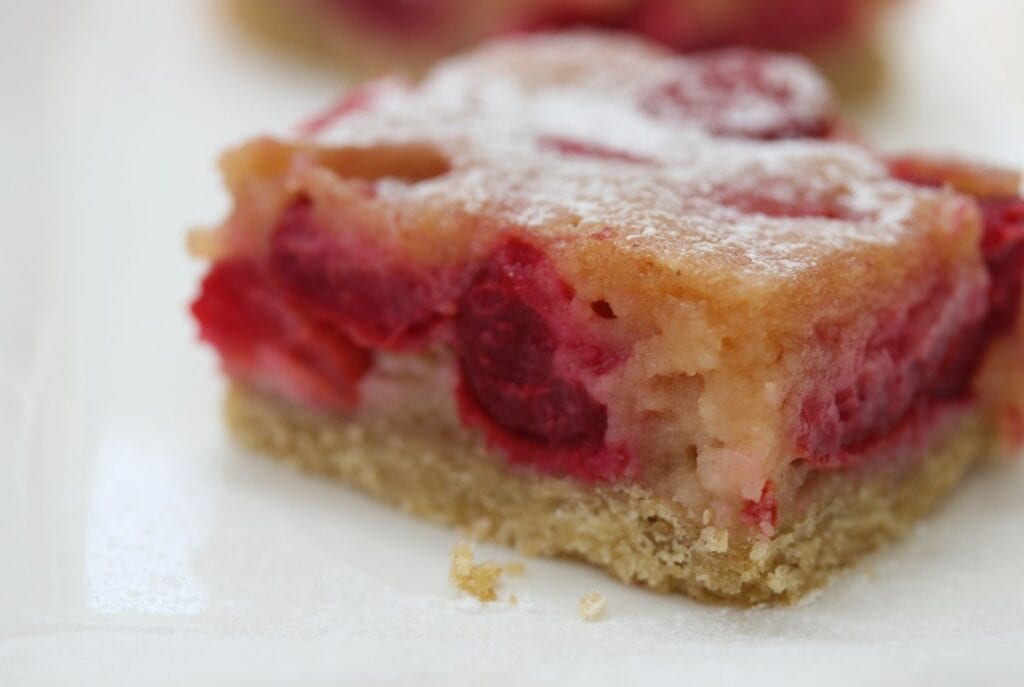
x=264, y=342
x=742, y=94
x=912, y=359
x=911, y=366
x=520, y=373
x=345, y=281
x=763, y=513
x=1002, y=240
x=1003, y=247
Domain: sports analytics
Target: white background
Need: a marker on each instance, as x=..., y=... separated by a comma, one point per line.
x=137, y=546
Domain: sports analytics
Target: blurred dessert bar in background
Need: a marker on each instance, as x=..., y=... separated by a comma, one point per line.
x=368, y=35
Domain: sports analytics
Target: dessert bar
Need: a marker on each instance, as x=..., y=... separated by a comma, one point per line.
x=588, y=298
x=374, y=33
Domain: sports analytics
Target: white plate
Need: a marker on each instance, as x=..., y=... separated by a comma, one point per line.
x=139, y=547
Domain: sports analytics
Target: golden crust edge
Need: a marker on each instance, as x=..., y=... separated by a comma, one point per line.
x=449, y=477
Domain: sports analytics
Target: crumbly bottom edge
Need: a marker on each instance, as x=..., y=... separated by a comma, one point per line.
x=448, y=476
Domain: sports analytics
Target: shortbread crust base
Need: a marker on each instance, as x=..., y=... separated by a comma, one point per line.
x=450, y=477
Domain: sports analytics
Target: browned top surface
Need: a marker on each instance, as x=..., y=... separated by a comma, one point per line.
x=572, y=140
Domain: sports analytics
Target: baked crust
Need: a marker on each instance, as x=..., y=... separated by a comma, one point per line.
x=449, y=476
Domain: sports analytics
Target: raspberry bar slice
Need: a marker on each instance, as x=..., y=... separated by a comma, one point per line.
x=591, y=299
x=411, y=32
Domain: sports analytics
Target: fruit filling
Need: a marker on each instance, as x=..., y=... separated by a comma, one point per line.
x=305, y=322
x=1003, y=247
x=695, y=304
x=264, y=340
x=521, y=371
x=910, y=358
x=922, y=358
x=357, y=289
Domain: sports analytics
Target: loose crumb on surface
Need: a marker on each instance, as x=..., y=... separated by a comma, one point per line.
x=593, y=606
x=476, y=579
x=204, y=242
x=780, y=579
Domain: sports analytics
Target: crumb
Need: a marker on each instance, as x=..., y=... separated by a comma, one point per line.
x=204, y=242
x=760, y=551
x=714, y=539
x=513, y=599
x=780, y=579
x=476, y=579
x=708, y=516
x=515, y=569
x=593, y=606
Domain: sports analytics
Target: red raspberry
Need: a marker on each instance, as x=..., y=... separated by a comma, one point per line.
x=378, y=302
x=537, y=410
x=262, y=340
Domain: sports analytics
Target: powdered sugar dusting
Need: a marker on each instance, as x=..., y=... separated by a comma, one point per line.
x=700, y=185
